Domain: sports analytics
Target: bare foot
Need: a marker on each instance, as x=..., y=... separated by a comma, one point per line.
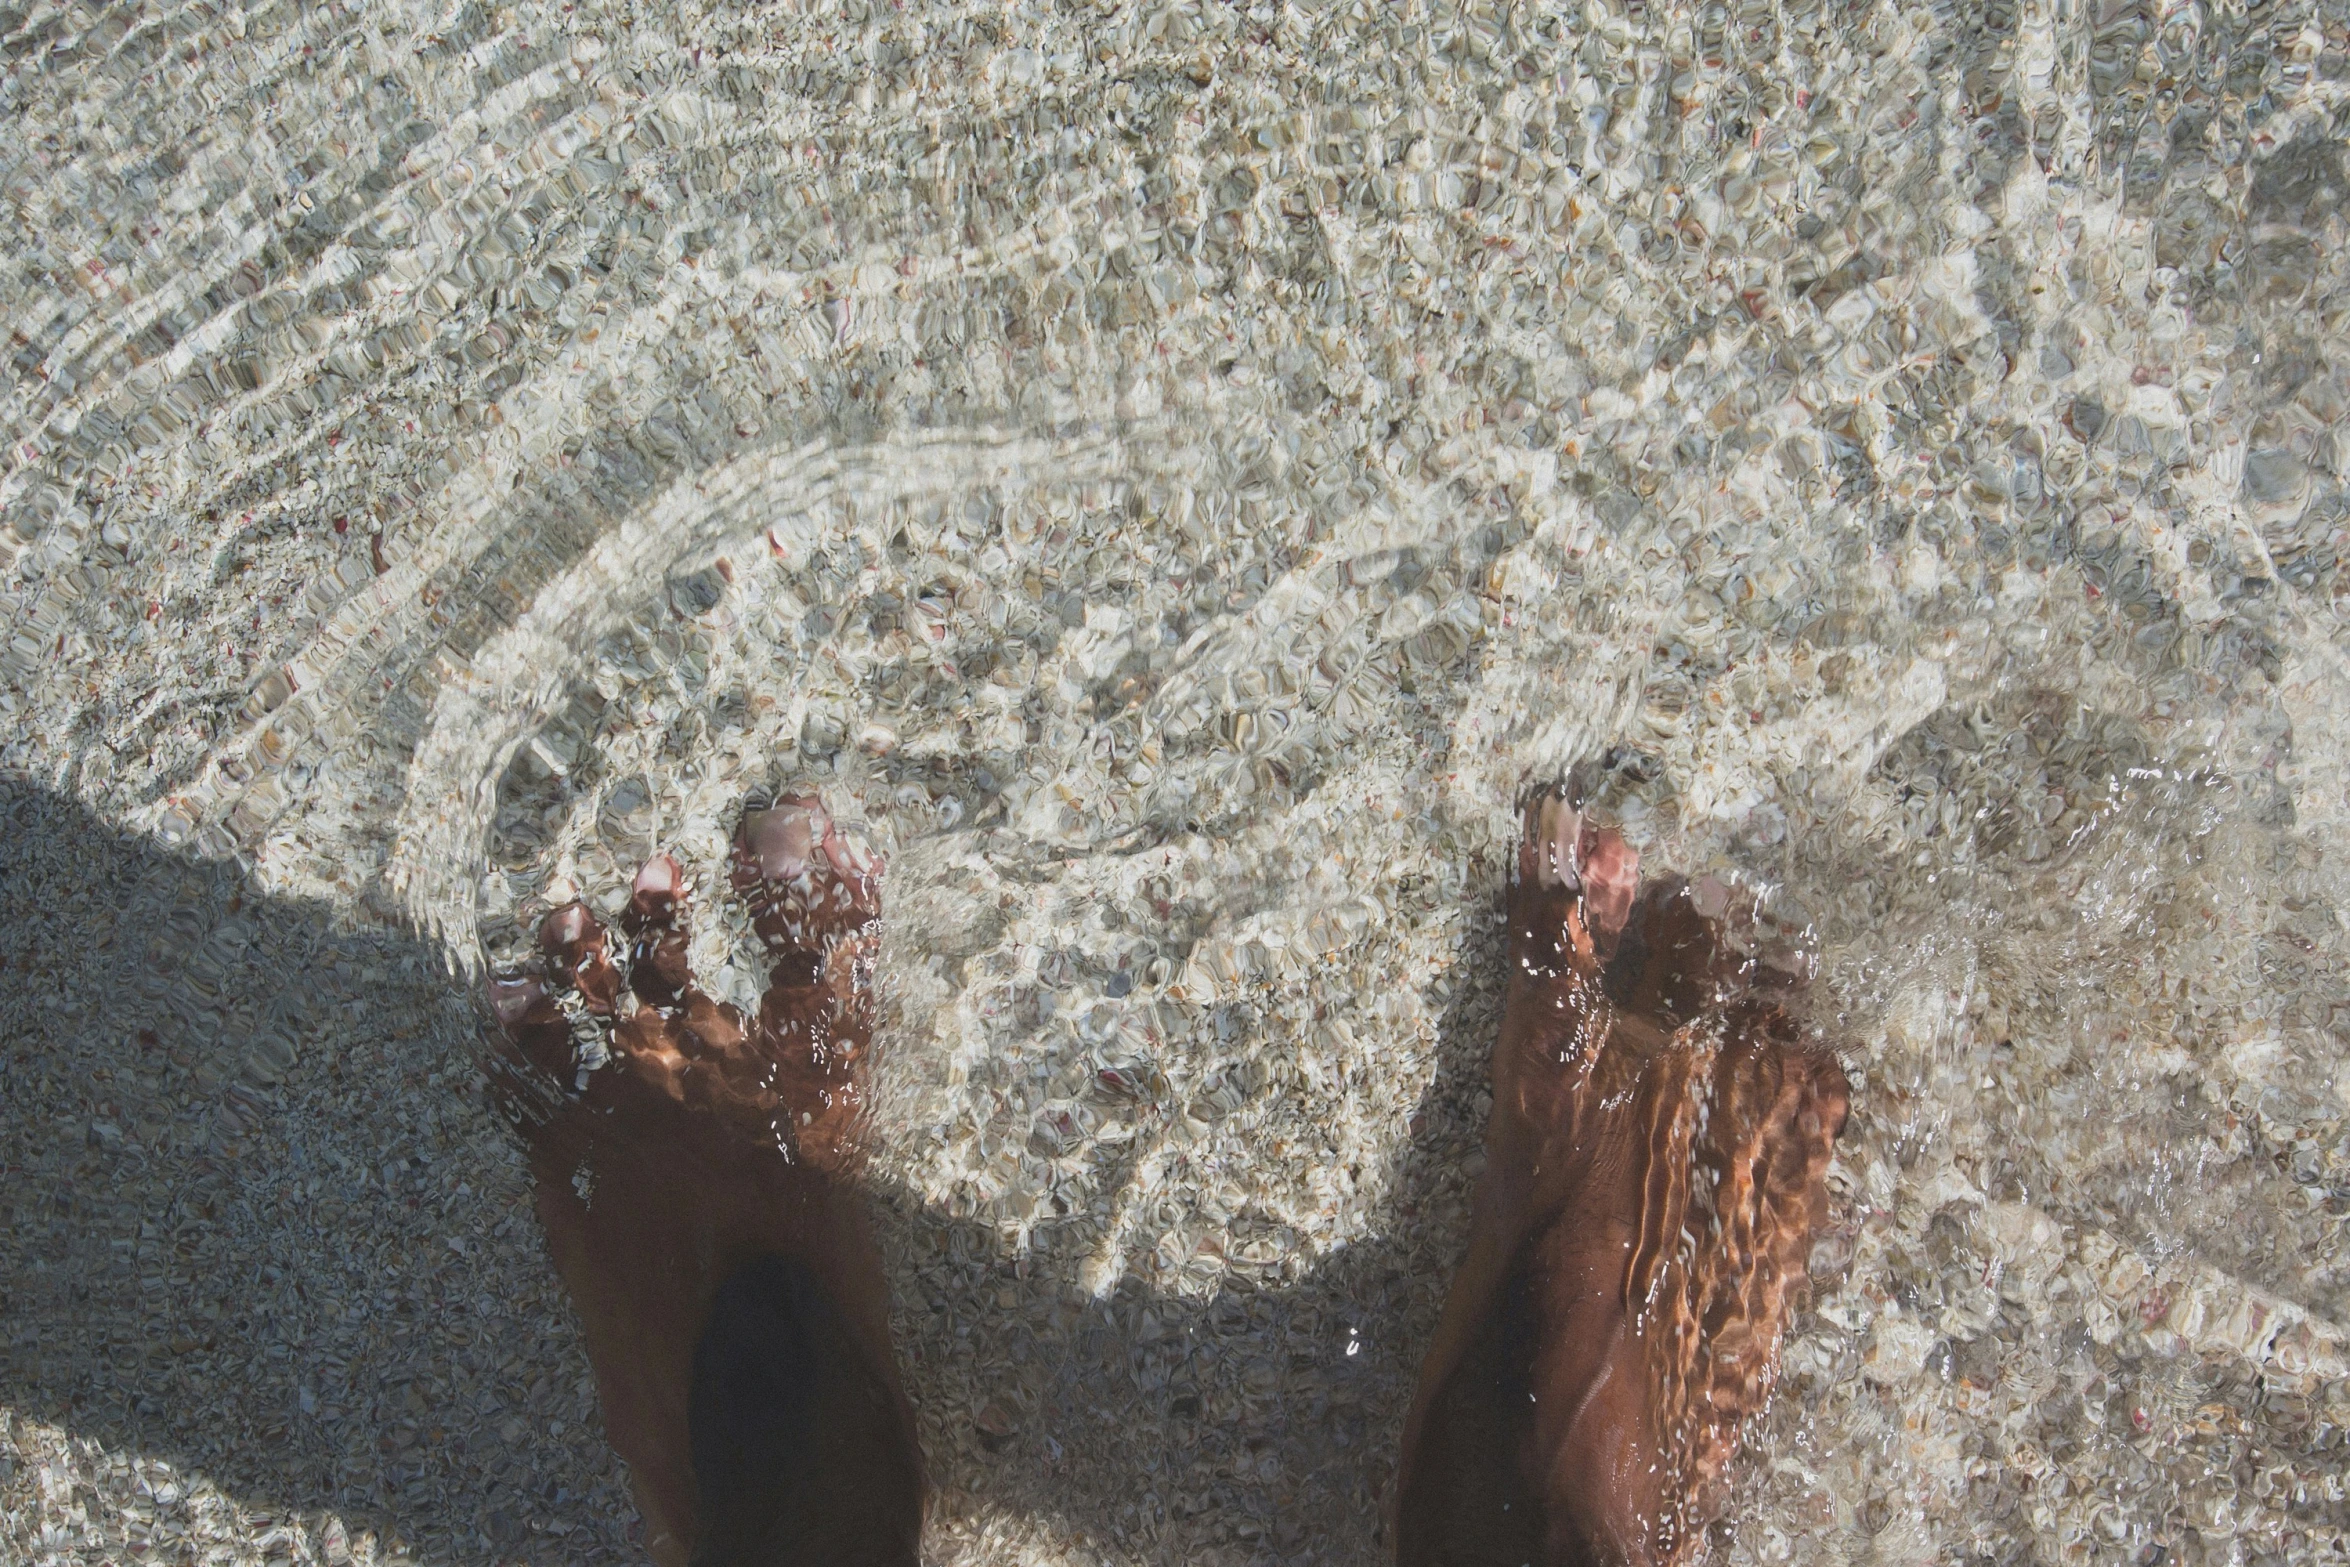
x=695, y=1180
x=1656, y=1165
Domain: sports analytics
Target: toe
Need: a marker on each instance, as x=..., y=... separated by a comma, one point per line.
x=815, y=1031
x=851, y=862
x=537, y=1027
x=806, y=883
x=578, y=954
x=780, y=843
x=1572, y=875
x=657, y=895
x=1547, y=849
x=1545, y=882
x=775, y=865
x=1611, y=876
x=658, y=970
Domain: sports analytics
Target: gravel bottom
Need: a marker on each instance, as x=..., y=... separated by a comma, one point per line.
x=1173, y=474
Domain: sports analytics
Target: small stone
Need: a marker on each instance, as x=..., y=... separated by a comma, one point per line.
x=993, y=1422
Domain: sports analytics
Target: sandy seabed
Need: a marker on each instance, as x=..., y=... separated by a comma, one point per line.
x=1173, y=473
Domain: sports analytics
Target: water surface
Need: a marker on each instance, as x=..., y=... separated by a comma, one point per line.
x=1174, y=475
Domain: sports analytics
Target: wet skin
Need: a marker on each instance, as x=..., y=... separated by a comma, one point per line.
x=1656, y=1165
x=698, y=1197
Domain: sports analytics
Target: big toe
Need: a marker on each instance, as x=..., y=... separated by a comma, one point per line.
x=807, y=882
x=659, y=971
x=1549, y=849
x=566, y=932
x=1572, y=875
x=1611, y=877
x=782, y=841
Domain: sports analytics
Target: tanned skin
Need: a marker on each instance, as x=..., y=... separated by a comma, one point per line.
x=1656, y=1166
x=699, y=1200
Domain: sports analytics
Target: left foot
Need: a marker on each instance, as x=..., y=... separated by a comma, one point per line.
x=1656, y=1164
x=695, y=1184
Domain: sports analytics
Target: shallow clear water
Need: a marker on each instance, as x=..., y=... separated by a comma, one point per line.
x=1173, y=476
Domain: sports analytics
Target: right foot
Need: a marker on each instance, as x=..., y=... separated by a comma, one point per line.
x=1656, y=1164
x=695, y=1186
